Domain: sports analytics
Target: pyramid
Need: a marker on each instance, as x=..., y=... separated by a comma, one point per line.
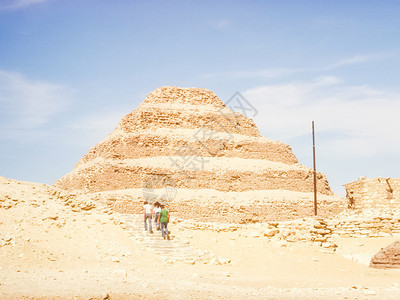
x=187, y=139
x=387, y=258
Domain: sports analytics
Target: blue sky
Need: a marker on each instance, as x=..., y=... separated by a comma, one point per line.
x=71, y=69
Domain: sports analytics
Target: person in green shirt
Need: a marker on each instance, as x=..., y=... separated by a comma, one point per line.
x=163, y=219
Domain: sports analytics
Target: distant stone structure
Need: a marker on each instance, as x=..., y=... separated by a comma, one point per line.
x=188, y=136
x=373, y=192
x=387, y=258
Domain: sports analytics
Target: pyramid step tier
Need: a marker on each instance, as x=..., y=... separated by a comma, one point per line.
x=222, y=173
x=210, y=206
x=189, y=143
x=179, y=95
x=154, y=118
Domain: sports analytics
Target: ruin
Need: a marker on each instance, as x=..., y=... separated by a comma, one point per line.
x=209, y=151
x=387, y=258
x=373, y=192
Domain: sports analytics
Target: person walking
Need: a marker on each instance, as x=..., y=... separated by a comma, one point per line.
x=148, y=215
x=157, y=209
x=163, y=219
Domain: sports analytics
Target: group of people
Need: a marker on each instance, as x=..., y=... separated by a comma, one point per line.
x=160, y=215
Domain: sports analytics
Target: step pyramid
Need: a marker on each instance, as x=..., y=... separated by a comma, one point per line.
x=187, y=141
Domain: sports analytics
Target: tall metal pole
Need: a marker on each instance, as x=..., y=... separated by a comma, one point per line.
x=315, y=171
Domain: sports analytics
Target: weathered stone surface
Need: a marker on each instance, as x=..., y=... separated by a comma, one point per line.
x=271, y=232
x=111, y=176
x=387, y=258
x=373, y=192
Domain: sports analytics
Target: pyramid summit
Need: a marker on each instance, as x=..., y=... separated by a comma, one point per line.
x=185, y=108
x=194, y=96
x=191, y=140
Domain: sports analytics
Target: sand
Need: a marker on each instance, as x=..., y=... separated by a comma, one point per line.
x=53, y=249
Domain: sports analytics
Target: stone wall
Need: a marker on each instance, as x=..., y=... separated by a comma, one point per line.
x=148, y=145
x=373, y=192
x=378, y=222
x=107, y=177
x=370, y=223
x=218, y=212
x=320, y=231
x=156, y=118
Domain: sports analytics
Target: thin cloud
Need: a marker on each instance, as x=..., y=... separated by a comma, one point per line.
x=18, y=4
x=357, y=59
x=264, y=74
x=273, y=73
x=27, y=105
x=360, y=121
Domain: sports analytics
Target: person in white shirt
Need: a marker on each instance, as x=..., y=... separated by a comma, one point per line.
x=148, y=215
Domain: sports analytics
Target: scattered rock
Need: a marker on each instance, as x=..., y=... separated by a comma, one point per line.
x=270, y=233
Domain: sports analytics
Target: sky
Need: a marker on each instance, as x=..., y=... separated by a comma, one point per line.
x=71, y=69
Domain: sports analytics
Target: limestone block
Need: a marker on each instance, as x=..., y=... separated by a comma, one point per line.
x=271, y=233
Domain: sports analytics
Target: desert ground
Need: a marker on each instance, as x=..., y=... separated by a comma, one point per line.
x=52, y=247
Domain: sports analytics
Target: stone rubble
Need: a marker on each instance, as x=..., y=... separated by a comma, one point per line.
x=388, y=257
x=370, y=223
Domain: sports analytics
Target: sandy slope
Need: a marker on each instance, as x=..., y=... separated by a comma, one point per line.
x=52, y=248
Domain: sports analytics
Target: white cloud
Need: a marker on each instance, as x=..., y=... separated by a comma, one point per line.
x=356, y=59
x=27, y=104
x=274, y=73
x=18, y=4
x=355, y=121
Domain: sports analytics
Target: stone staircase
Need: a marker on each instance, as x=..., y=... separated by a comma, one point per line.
x=171, y=250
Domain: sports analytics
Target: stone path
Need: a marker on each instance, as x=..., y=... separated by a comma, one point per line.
x=170, y=250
